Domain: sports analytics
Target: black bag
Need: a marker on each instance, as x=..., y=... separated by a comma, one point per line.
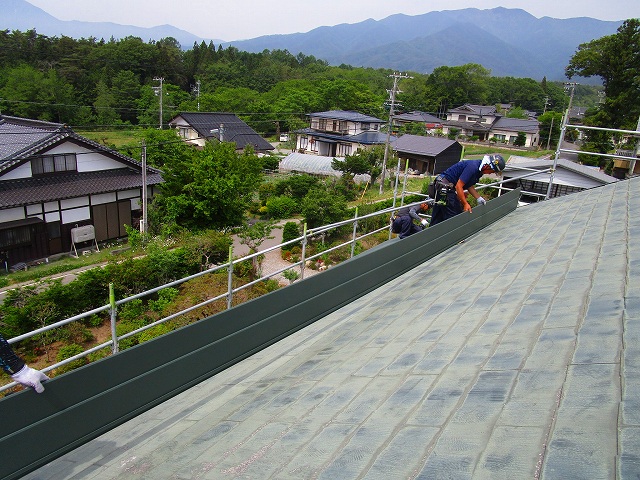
x=431, y=189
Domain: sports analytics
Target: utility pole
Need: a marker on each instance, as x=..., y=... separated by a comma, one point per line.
x=143, y=222
x=159, y=91
x=571, y=86
x=196, y=89
x=546, y=103
x=550, y=130
x=392, y=101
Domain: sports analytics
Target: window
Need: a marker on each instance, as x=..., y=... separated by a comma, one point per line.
x=183, y=132
x=47, y=164
x=322, y=124
x=365, y=126
x=344, y=149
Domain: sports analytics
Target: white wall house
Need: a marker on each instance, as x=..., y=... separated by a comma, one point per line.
x=337, y=133
x=486, y=122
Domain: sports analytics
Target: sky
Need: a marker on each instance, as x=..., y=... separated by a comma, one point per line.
x=243, y=19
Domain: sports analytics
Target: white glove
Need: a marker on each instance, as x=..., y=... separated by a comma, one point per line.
x=481, y=201
x=30, y=377
x=423, y=223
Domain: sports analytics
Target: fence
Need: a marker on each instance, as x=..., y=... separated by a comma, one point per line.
x=114, y=304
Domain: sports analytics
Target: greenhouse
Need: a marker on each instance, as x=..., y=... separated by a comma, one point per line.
x=314, y=165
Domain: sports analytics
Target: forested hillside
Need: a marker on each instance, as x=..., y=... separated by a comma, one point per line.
x=96, y=83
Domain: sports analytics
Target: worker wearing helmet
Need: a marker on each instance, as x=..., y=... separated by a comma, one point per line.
x=451, y=184
x=402, y=223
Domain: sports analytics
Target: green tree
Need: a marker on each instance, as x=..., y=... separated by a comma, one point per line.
x=213, y=189
x=616, y=60
x=364, y=161
x=254, y=235
x=322, y=206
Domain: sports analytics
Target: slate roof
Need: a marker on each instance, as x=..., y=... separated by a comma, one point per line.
x=235, y=130
x=346, y=115
x=516, y=125
x=417, y=116
x=514, y=354
x=422, y=145
x=475, y=109
x=364, y=138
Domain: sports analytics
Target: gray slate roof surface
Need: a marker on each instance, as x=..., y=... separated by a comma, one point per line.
x=421, y=145
x=346, y=115
x=514, y=354
x=417, y=117
x=364, y=138
x=517, y=124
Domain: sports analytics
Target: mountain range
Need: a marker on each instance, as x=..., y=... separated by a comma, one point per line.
x=509, y=42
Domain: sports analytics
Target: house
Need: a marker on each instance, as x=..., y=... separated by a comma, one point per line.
x=428, y=155
x=54, y=181
x=198, y=127
x=431, y=122
x=506, y=130
x=337, y=133
x=569, y=177
x=486, y=122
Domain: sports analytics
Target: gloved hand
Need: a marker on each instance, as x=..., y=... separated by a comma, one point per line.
x=423, y=223
x=30, y=377
x=481, y=201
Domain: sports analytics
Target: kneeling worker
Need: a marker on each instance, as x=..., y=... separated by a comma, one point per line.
x=403, y=220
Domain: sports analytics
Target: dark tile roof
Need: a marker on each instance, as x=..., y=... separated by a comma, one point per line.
x=475, y=109
x=430, y=146
x=468, y=125
x=56, y=187
x=517, y=125
x=364, y=138
x=347, y=115
x=417, y=117
x=235, y=130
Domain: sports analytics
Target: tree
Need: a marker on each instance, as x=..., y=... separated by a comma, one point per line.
x=254, y=235
x=212, y=190
x=615, y=59
x=322, y=207
x=367, y=161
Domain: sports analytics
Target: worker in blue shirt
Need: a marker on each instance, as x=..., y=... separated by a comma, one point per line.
x=450, y=185
x=403, y=220
x=20, y=371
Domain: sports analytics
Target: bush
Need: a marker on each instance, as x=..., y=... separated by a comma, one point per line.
x=270, y=162
x=69, y=351
x=281, y=207
x=290, y=231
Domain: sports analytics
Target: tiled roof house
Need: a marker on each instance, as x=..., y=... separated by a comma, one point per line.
x=198, y=127
x=53, y=180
